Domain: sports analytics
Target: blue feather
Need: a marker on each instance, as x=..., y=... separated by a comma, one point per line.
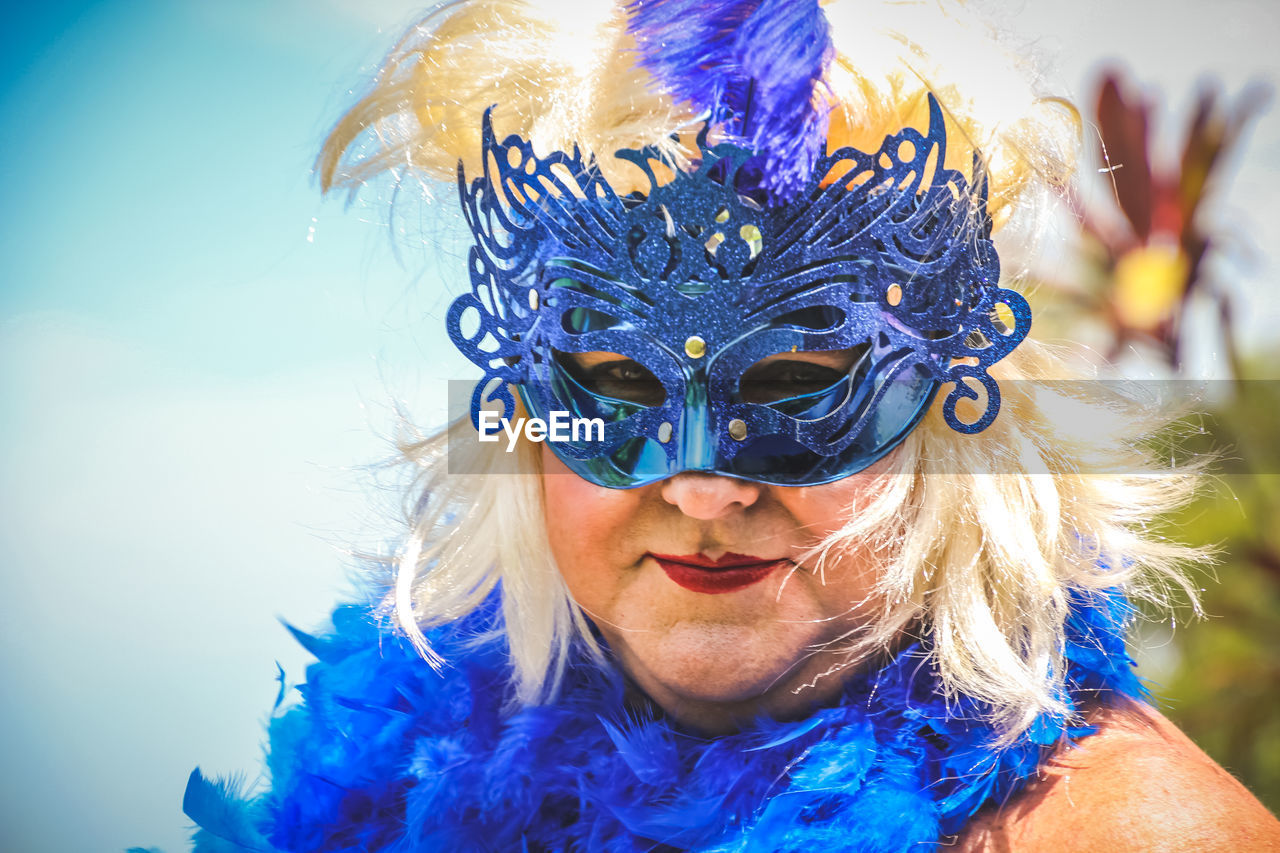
x=314, y=645
x=789, y=733
x=219, y=808
x=280, y=693
x=647, y=750
x=690, y=45
x=783, y=50
x=751, y=65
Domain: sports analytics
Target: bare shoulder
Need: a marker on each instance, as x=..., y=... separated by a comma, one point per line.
x=1138, y=784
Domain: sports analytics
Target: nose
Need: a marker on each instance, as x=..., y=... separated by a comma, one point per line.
x=709, y=496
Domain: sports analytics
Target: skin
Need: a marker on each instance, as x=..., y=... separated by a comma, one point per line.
x=1138, y=784
x=715, y=661
x=711, y=661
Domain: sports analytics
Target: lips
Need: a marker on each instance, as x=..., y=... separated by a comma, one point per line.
x=701, y=574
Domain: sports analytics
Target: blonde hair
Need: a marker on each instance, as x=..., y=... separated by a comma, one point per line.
x=568, y=78
x=988, y=560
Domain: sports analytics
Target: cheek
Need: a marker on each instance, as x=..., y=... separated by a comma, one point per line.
x=822, y=510
x=850, y=572
x=588, y=528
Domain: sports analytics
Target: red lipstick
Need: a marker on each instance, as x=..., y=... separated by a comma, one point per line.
x=702, y=574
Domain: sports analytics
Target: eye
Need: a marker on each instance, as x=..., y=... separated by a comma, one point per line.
x=787, y=375
x=609, y=374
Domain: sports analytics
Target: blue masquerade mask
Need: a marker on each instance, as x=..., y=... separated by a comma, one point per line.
x=792, y=344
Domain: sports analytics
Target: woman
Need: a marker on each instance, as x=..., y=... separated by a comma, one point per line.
x=810, y=565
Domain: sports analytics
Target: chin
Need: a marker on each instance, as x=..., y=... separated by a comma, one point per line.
x=708, y=662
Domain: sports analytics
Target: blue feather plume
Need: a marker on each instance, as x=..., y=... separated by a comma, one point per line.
x=752, y=65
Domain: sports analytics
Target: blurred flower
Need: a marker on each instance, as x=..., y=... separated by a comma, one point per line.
x=1150, y=266
x=1149, y=281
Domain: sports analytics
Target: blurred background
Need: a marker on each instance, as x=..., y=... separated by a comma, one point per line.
x=201, y=365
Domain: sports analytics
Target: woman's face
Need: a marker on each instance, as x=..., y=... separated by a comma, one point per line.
x=699, y=585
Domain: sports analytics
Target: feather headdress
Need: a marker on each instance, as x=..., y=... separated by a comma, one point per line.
x=751, y=65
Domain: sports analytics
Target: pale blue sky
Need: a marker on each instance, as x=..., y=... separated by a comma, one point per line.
x=197, y=354
x=187, y=384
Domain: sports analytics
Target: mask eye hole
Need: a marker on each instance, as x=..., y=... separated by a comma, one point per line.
x=613, y=375
x=797, y=374
x=817, y=318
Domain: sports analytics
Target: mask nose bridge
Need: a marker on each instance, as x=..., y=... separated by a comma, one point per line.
x=698, y=444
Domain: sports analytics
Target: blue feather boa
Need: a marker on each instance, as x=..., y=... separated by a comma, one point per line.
x=385, y=754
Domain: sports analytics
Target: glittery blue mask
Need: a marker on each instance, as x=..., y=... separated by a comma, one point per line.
x=794, y=343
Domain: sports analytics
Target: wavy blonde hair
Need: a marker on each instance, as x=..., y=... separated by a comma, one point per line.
x=988, y=560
